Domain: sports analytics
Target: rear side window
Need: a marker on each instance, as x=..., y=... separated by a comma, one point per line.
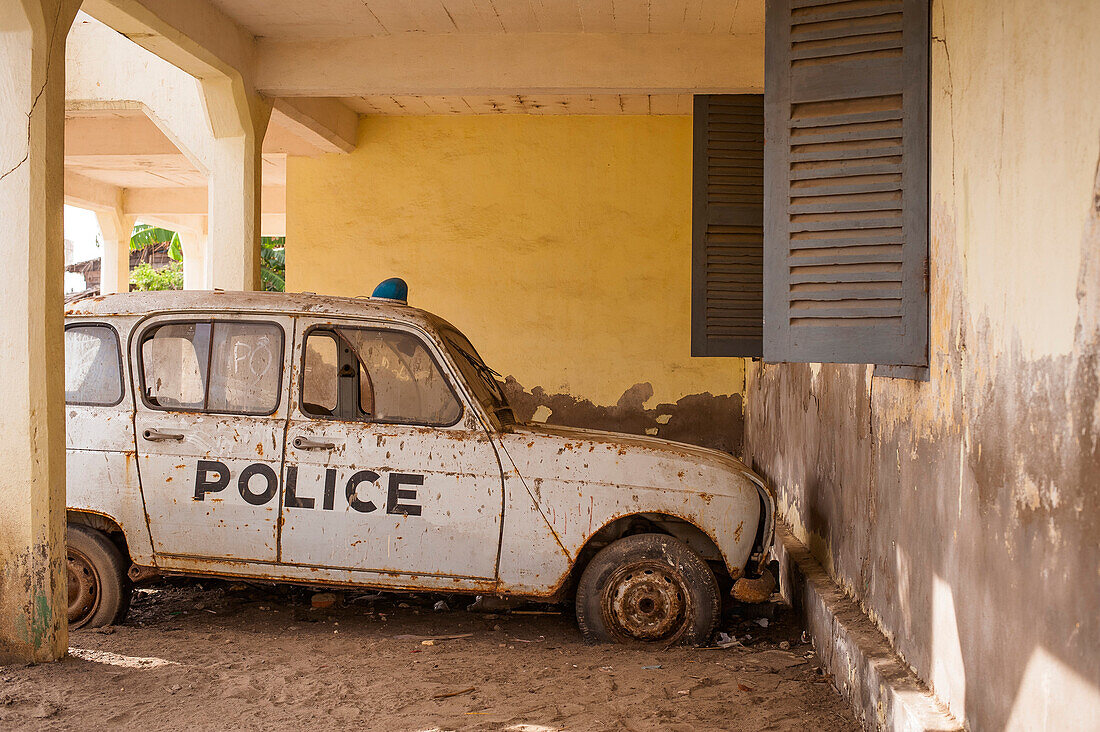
x=222, y=366
x=93, y=366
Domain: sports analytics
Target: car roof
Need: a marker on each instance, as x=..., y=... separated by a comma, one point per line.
x=297, y=303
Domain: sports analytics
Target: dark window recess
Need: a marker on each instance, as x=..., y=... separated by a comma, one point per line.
x=846, y=204
x=727, y=238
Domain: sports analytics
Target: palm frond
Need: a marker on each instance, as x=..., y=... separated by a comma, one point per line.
x=145, y=235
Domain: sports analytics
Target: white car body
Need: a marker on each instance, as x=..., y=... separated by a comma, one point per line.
x=480, y=506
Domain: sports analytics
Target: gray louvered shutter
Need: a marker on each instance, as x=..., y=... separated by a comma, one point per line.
x=727, y=247
x=846, y=205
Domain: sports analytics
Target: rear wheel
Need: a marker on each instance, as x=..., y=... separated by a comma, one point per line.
x=99, y=592
x=648, y=588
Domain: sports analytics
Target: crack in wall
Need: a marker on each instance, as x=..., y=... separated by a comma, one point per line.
x=41, y=91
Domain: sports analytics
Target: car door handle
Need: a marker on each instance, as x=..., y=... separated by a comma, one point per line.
x=158, y=436
x=304, y=443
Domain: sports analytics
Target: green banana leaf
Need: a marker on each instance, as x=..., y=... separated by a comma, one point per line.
x=145, y=235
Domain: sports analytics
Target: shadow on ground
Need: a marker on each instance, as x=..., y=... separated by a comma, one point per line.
x=211, y=655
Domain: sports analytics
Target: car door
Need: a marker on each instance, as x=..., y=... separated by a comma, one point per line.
x=210, y=423
x=388, y=469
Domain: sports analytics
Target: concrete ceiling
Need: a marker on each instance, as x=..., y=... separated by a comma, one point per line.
x=522, y=104
x=295, y=19
x=323, y=62
x=417, y=57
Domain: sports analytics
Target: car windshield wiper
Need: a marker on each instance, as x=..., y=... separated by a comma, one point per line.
x=489, y=376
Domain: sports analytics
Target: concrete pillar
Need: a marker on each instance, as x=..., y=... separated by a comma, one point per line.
x=33, y=598
x=114, y=265
x=234, y=188
x=195, y=260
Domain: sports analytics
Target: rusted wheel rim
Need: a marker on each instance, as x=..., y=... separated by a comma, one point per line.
x=645, y=601
x=83, y=588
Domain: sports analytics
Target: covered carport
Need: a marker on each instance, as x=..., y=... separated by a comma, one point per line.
x=191, y=127
x=854, y=242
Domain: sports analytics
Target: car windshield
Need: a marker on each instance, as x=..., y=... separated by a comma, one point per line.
x=484, y=382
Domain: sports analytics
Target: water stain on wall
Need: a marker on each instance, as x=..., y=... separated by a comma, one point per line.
x=983, y=480
x=699, y=419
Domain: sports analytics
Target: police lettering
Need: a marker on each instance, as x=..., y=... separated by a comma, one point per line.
x=203, y=484
x=258, y=483
x=244, y=484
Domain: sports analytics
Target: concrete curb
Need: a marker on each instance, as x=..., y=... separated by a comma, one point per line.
x=883, y=691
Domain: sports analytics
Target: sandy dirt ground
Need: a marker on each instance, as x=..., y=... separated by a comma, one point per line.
x=210, y=655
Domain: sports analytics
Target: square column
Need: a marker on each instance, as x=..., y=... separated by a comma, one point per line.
x=33, y=595
x=195, y=260
x=114, y=268
x=234, y=189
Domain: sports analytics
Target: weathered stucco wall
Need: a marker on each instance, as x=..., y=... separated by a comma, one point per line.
x=560, y=245
x=963, y=512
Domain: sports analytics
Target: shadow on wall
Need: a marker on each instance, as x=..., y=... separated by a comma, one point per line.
x=698, y=419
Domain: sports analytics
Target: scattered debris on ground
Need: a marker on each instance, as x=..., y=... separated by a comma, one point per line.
x=208, y=654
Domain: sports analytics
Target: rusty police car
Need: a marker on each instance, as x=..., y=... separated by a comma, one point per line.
x=360, y=442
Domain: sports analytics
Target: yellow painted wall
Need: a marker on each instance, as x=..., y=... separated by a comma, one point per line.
x=560, y=245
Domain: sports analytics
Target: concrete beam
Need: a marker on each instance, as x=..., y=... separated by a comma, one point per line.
x=199, y=39
x=105, y=72
x=327, y=123
x=189, y=201
x=91, y=194
x=521, y=63
x=118, y=134
x=271, y=224
x=194, y=36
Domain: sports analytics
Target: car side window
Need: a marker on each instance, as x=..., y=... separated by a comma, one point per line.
x=377, y=375
x=220, y=366
x=319, y=365
x=93, y=366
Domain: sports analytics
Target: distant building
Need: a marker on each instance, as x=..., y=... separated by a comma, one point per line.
x=156, y=255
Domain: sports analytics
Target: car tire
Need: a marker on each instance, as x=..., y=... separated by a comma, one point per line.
x=98, y=589
x=648, y=589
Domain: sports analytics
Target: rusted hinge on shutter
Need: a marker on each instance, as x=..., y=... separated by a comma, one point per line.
x=927, y=276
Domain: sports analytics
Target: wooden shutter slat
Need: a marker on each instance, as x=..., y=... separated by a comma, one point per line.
x=818, y=135
x=859, y=45
x=845, y=171
x=728, y=226
x=886, y=25
x=823, y=188
x=884, y=115
x=872, y=205
x=838, y=155
x=748, y=215
x=830, y=11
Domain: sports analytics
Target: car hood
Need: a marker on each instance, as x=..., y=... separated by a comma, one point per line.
x=545, y=451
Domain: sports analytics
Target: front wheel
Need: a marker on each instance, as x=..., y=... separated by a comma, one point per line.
x=648, y=588
x=99, y=592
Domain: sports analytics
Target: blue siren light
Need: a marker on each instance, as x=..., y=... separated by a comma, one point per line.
x=394, y=288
